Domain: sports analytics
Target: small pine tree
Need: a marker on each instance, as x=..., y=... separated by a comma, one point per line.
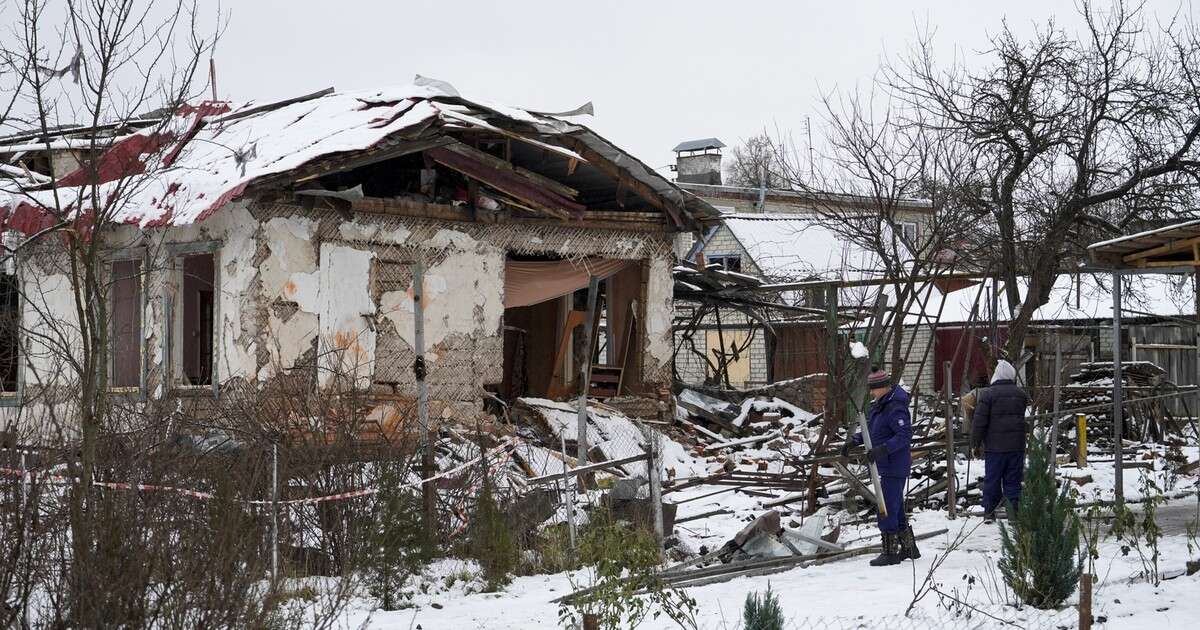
x=762, y=612
x=396, y=546
x=1040, y=559
x=491, y=540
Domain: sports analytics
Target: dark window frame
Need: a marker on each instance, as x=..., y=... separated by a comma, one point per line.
x=725, y=259
x=173, y=317
x=140, y=256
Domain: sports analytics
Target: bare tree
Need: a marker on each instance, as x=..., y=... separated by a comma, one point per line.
x=102, y=68
x=893, y=191
x=1074, y=137
x=756, y=164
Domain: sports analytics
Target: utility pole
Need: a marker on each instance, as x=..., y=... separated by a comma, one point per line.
x=1117, y=409
x=212, y=76
x=812, y=169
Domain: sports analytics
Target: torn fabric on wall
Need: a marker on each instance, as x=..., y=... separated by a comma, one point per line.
x=529, y=282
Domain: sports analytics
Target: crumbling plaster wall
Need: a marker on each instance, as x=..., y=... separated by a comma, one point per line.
x=366, y=320
x=297, y=284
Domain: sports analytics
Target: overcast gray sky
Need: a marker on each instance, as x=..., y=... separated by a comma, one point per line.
x=658, y=72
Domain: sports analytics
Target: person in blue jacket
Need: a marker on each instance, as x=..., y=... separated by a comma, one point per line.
x=891, y=439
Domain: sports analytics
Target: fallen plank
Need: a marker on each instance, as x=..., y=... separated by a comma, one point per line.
x=791, y=498
x=586, y=469
x=705, y=496
x=695, y=517
x=766, y=437
x=856, y=484
x=725, y=572
x=715, y=436
x=820, y=542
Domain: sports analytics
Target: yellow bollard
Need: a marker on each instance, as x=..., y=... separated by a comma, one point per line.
x=1081, y=439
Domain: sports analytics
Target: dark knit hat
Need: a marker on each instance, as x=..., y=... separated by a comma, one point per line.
x=879, y=378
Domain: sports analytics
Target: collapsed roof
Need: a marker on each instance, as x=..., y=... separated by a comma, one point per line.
x=203, y=157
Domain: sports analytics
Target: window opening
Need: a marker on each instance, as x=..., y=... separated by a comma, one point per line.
x=125, y=319
x=198, y=301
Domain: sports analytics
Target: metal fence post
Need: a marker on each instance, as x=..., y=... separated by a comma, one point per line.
x=1057, y=401
x=1117, y=408
x=428, y=498
x=274, y=514
x=24, y=485
x=951, y=474
x=25, y=533
x=568, y=498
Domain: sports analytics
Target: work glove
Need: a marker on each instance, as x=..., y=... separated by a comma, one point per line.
x=977, y=452
x=877, y=453
x=846, y=448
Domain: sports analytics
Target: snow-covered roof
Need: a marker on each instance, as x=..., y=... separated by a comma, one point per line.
x=789, y=246
x=1141, y=235
x=1082, y=297
x=1160, y=248
x=205, y=156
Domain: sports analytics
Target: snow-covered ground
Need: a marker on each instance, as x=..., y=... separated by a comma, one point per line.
x=849, y=593
x=842, y=594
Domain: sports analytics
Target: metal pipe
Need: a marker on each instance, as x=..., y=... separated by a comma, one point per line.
x=951, y=478
x=1118, y=409
x=274, y=514
x=428, y=440
x=866, y=433
x=568, y=498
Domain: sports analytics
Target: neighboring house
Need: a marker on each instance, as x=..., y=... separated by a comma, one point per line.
x=282, y=239
x=776, y=235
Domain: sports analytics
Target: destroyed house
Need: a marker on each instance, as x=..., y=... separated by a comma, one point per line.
x=276, y=239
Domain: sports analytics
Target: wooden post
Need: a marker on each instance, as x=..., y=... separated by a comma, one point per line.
x=951, y=475
x=428, y=440
x=1085, y=601
x=1118, y=403
x=585, y=372
x=1081, y=440
x=653, y=473
x=832, y=393
x=591, y=621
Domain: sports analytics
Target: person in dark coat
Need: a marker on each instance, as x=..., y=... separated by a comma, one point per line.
x=998, y=434
x=890, y=425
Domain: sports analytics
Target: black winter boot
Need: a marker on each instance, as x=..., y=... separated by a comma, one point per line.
x=890, y=553
x=908, y=544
